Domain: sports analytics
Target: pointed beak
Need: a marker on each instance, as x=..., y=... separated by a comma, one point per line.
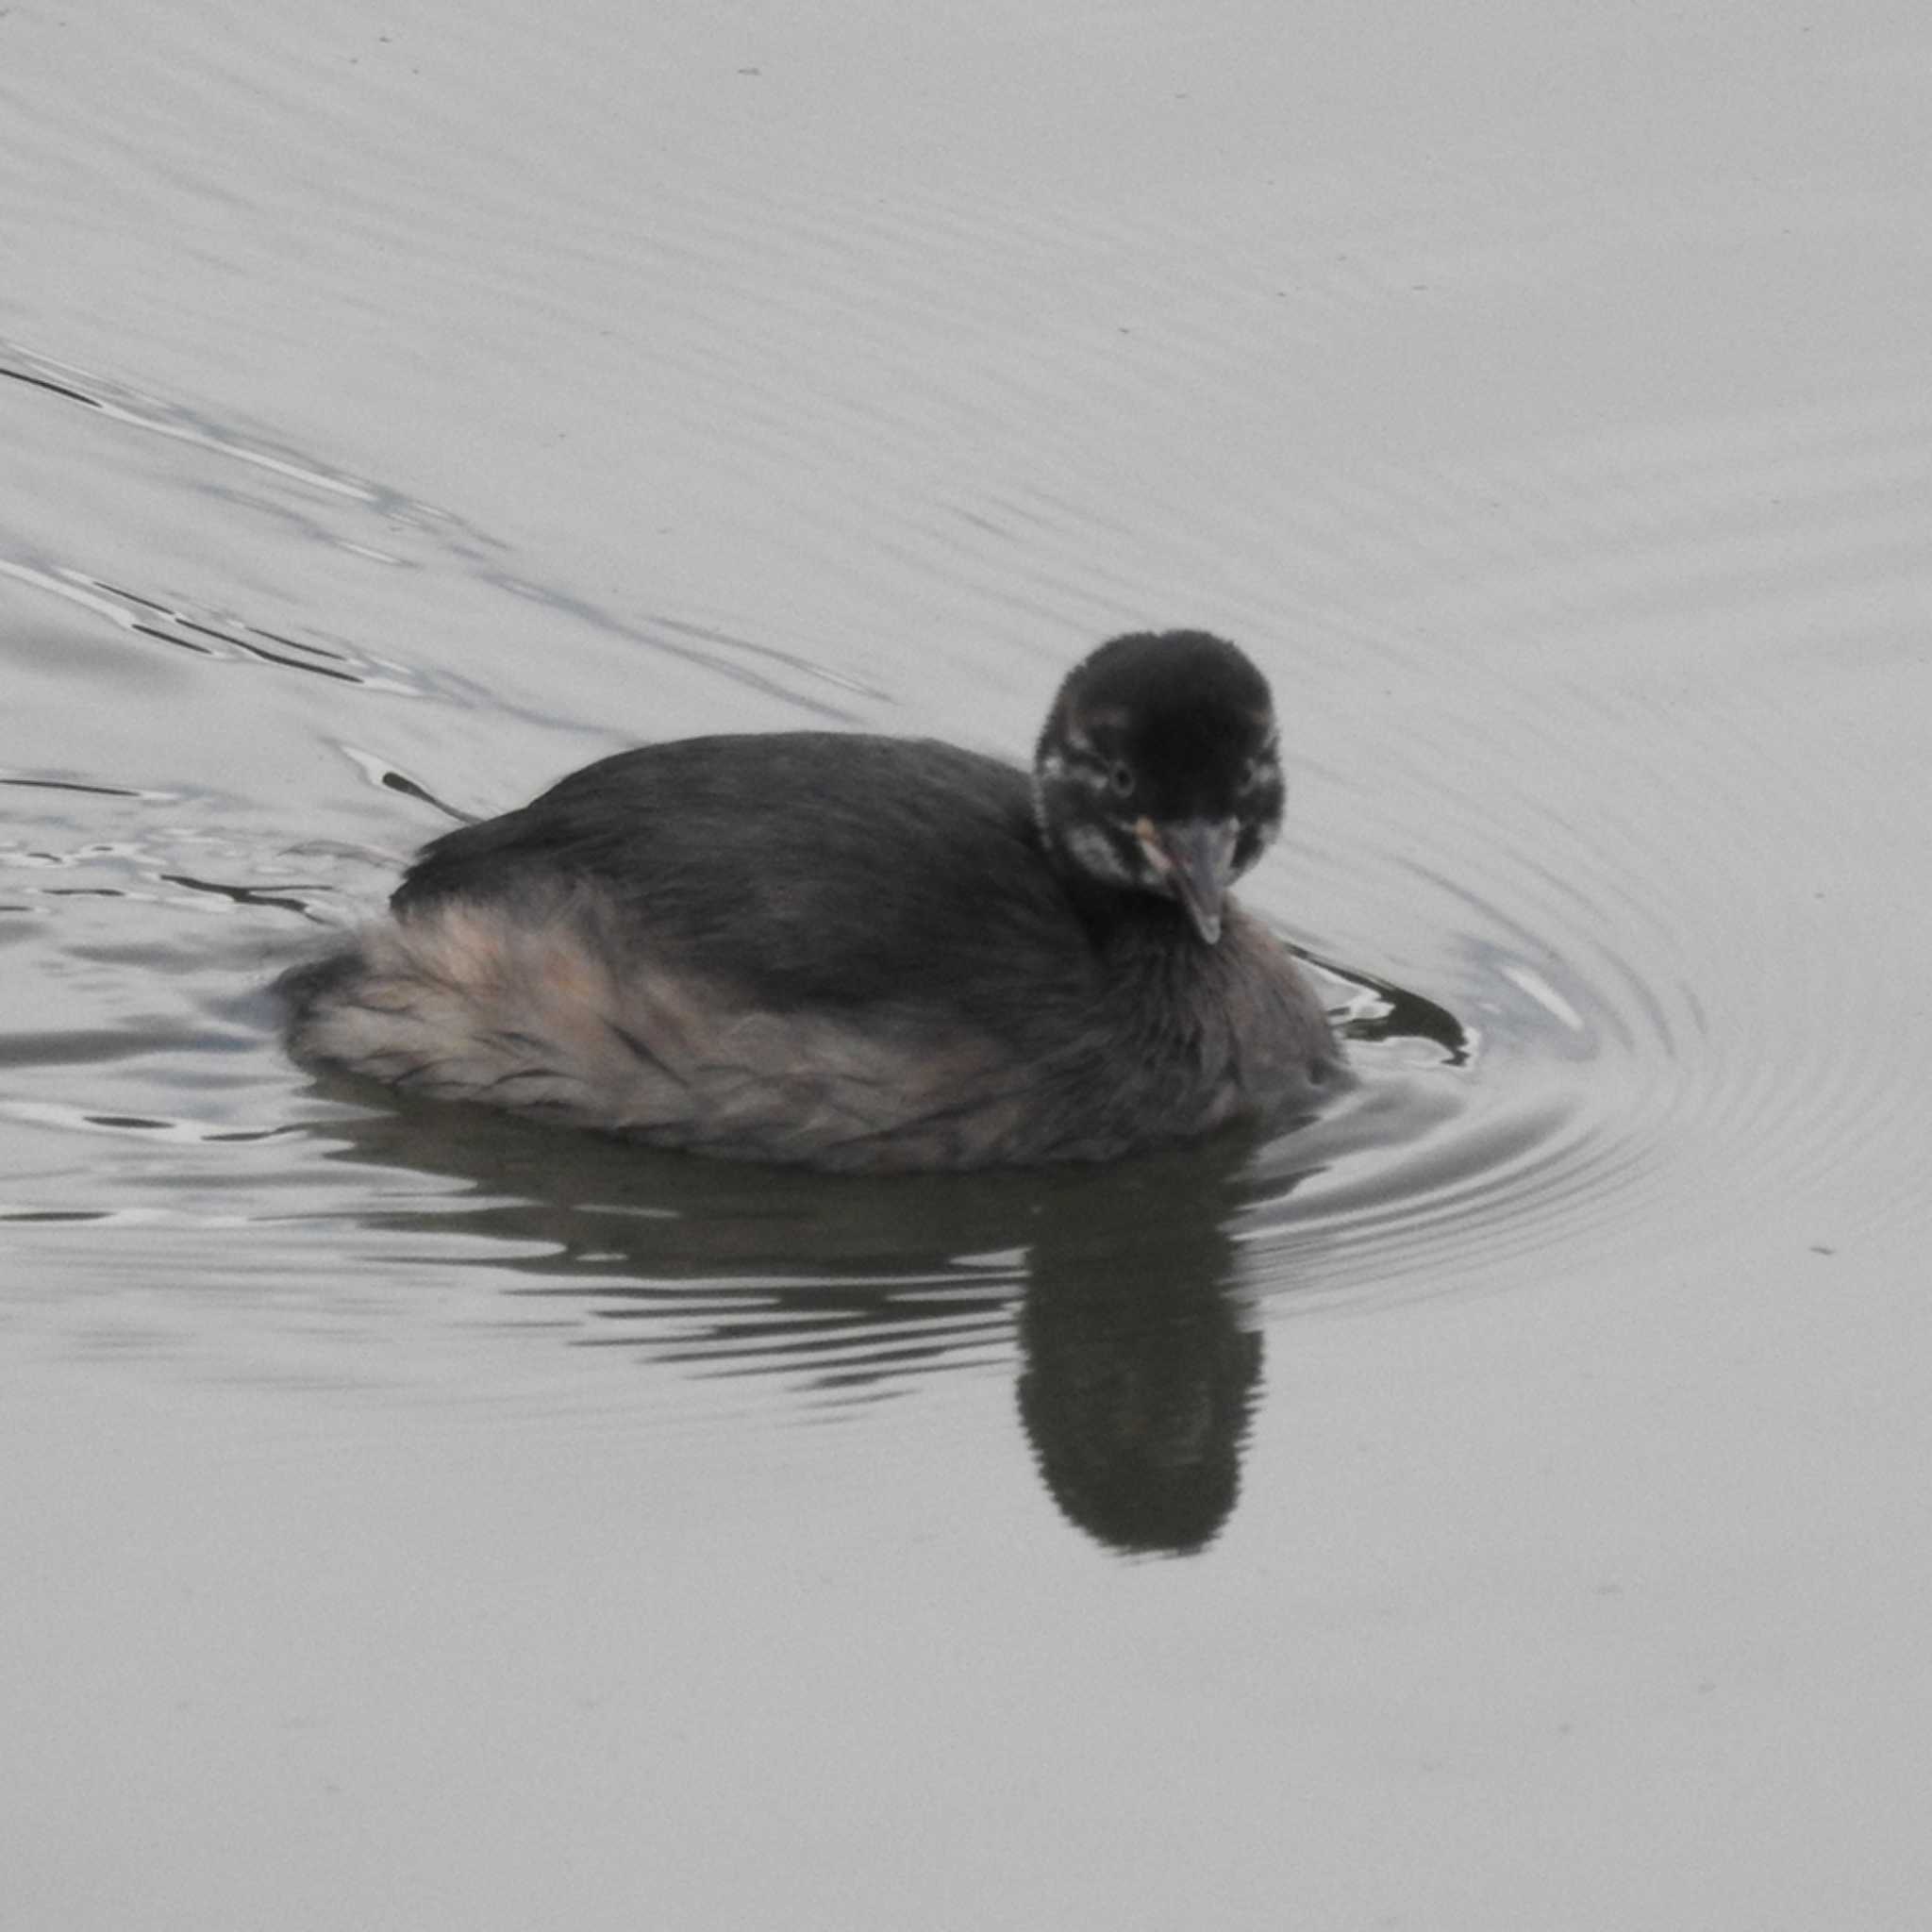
x=1195, y=858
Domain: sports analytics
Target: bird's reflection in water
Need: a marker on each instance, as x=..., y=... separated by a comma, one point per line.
x=1137, y=1373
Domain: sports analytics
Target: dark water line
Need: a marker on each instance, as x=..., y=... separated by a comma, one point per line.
x=57, y=389
x=279, y=896
x=147, y=630
x=269, y=657
x=75, y=785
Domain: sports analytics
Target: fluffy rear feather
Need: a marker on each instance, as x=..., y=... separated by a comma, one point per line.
x=461, y=1003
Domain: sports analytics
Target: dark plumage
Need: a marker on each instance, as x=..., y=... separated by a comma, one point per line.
x=863, y=952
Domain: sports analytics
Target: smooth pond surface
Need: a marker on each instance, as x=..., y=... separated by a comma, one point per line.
x=1503, y=1504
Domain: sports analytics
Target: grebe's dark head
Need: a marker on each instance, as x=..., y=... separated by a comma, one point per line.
x=1158, y=771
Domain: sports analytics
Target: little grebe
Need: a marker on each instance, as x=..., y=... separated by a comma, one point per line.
x=865, y=953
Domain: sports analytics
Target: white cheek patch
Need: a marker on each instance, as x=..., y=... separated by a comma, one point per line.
x=1155, y=864
x=1093, y=852
x=1267, y=774
x=1258, y=834
x=1054, y=768
x=1156, y=874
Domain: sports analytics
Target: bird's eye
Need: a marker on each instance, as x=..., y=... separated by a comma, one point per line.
x=1120, y=777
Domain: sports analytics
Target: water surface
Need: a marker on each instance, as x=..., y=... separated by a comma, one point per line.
x=1497, y=1504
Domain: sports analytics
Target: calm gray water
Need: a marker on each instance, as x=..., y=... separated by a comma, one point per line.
x=1503, y=1504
